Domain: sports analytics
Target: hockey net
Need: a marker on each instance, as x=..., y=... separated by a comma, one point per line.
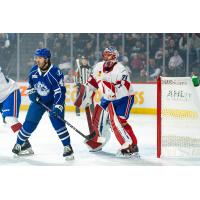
x=178, y=117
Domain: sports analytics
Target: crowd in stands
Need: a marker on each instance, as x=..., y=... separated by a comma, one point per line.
x=133, y=51
x=7, y=47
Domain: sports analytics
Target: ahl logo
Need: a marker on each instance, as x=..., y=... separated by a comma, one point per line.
x=42, y=89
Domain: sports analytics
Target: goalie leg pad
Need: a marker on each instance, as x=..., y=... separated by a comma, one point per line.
x=128, y=129
x=100, y=123
x=122, y=136
x=101, y=127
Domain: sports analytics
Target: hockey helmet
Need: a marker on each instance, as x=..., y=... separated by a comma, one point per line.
x=45, y=53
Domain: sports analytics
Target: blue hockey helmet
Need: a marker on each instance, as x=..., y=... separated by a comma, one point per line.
x=45, y=53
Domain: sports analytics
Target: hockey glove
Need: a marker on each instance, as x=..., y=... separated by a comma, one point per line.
x=57, y=111
x=33, y=95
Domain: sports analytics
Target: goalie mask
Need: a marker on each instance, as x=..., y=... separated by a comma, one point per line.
x=110, y=56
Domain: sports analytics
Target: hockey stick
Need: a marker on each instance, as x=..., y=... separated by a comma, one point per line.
x=79, y=72
x=87, y=137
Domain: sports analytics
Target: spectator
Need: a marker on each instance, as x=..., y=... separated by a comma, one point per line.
x=137, y=64
x=183, y=42
x=69, y=77
x=171, y=47
x=183, y=45
x=155, y=41
x=89, y=49
x=65, y=65
x=196, y=46
x=57, y=53
x=138, y=47
x=61, y=39
x=50, y=40
x=159, y=56
x=176, y=65
x=154, y=70
x=4, y=49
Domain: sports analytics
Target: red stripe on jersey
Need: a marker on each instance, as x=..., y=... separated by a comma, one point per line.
x=125, y=83
x=93, y=82
x=111, y=86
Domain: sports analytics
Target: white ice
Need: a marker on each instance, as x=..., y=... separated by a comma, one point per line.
x=48, y=148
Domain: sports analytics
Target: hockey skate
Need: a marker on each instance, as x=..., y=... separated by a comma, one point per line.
x=24, y=149
x=130, y=152
x=68, y=153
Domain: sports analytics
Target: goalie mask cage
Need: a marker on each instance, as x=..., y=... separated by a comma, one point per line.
x=178, y=117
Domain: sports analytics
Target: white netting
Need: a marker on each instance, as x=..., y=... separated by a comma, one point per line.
x=180, y=117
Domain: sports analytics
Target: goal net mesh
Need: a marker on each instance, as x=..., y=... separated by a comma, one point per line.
x=180, y=117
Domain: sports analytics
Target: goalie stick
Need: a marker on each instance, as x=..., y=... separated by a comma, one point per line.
x=79, y=70
x=87, y=137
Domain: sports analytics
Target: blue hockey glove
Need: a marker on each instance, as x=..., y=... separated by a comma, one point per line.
x=57, y=111
x=33, y=95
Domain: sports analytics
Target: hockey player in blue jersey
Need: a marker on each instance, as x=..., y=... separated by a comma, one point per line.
x=46, y=85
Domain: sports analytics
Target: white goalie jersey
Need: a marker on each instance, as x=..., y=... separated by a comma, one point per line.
x=113, y=84
x=7, y=86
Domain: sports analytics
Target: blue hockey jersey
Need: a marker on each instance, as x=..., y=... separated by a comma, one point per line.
x=49, y=85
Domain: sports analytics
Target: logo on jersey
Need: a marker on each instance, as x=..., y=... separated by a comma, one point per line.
x=59, y=73
x=34, y=76
x=42, y=89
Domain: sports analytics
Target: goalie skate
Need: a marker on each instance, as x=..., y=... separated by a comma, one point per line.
x=24, y=149
x=130, y=152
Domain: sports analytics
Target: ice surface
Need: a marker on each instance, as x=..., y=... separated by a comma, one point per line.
x=48, y=148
